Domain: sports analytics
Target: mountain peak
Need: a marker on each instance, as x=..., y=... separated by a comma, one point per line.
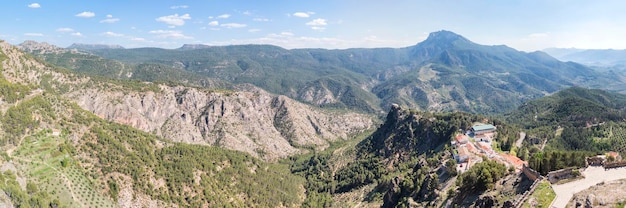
x=39, y=47
x=444, y=36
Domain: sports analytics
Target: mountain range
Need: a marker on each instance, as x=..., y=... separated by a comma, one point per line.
x=592, y=57
x=260, y=125
x=446, y=72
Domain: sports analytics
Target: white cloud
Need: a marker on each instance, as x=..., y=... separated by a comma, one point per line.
x=303, y=14
x=174, y=20
x=110, y=20
x=86, y=14
x=138, y=39
x=233, y=25
x=179, y=7
x=214, y=23
x=318, y=28
x=317, y=22
x=109, y=16
x=224, y=16
x=286, y=34
x=247, y=13
x=69, y=30
x=34, y=5
x=112, y=34
x=254, y=30
x=33, y=34
x=261, y=20
x=65, y=29
x=172, y=34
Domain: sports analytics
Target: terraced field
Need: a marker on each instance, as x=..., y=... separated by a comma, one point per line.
x=46, y=161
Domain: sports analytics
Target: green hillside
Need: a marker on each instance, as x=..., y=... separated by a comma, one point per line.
x=569, y=125
x=573, y=106
x=446, y=72
x=69, y=157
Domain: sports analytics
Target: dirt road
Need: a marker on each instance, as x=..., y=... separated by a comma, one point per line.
x=522, y=135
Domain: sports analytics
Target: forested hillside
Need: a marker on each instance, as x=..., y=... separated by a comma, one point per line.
x=72, y=157
x=446, y=72
x=573, y=123
x=407, y=161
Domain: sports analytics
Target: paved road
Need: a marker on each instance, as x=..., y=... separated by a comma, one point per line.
x=593, y=176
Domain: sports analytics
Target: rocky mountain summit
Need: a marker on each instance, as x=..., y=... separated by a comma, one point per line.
x=42, y=48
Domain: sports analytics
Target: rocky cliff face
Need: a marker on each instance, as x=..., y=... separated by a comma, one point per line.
x=262, y=124
x=250, y=119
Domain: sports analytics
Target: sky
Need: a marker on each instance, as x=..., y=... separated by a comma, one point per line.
x=526, y=25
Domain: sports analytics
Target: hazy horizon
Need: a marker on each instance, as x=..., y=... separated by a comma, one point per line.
x=523, y=25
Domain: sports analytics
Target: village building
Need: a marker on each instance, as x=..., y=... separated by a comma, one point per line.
x=482, y=129
x=475, y=145
x=485, y=148
x=483, y=132
x=461, y=139
x=462, y=155
x=514, y=161
x=472, y=148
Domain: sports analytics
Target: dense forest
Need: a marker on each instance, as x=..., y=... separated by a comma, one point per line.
x=573, y=124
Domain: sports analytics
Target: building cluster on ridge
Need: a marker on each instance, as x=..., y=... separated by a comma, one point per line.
x=472, y=146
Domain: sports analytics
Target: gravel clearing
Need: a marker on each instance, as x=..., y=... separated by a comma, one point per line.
x=593, y=175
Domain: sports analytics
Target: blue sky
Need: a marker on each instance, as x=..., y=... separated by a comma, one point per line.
x=522, y=24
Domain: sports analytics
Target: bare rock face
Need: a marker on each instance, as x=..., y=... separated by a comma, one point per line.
x=253, y=121
x=250, y=120
x=41, y=48
x=590, y=201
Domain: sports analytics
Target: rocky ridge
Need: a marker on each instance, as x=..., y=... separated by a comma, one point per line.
x=252, y=120
x=262, y=124
x=606, y=194
x=43, y=48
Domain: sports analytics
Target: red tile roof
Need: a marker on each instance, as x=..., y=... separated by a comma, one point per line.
x=513, y=160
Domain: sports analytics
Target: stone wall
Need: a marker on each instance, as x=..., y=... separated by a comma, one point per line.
x=614, y=164
x=557, y=175
x=530, y=173
x=594, y=161
x=520, y=201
